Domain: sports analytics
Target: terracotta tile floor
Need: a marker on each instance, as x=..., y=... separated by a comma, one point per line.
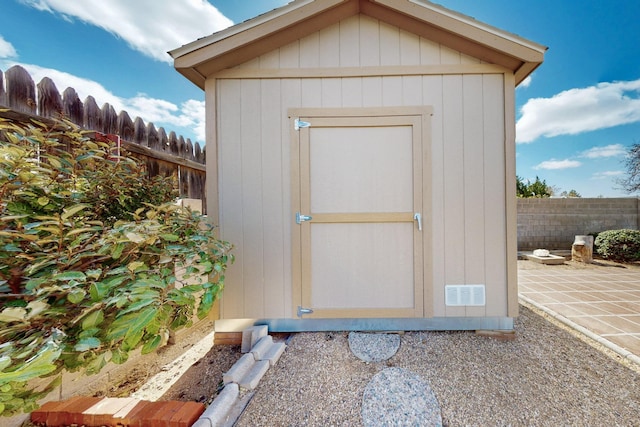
x=605, y=302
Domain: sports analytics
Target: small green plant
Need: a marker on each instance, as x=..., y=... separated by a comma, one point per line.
x=619, y=245
x=89, y=248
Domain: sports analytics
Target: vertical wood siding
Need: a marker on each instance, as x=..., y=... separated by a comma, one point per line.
x=467, y=167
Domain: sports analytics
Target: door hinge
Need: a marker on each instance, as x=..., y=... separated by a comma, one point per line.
x=302, y=311
x=299, y=124
x=300, y=218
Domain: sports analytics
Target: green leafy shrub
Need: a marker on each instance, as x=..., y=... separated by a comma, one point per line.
x=619, y=245
x=88, y=258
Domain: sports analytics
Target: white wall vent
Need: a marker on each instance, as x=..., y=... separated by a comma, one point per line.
x=461, y=295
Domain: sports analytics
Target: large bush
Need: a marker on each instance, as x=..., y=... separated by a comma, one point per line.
x=619, y=245
x=88, y=252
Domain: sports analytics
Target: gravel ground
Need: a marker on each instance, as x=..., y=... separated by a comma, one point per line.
x=547, y=376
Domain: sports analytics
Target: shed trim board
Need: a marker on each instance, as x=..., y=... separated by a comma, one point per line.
x=419, y=93
x=511, y=202
x=335, y=72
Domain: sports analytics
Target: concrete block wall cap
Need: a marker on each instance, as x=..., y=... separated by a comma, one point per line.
x=160, y=383
x=202, y=422
x=253, y=377
x=239, y=369
x=218, y=411
x=252, y=335
x=274, y=353
x=262, y=347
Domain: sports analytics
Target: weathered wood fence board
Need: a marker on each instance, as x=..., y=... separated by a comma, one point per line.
x=163, y=154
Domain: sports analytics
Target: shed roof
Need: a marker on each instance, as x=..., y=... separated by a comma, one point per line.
x=247, y=40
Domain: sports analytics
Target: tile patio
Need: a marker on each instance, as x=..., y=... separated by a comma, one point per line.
x=605, y=301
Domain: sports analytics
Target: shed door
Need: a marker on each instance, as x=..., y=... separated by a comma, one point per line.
x=360, y=254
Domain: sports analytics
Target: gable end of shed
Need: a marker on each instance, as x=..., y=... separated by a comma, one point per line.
x=238, y=44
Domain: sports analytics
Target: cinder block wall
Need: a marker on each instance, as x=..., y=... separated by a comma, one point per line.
x=553, y=223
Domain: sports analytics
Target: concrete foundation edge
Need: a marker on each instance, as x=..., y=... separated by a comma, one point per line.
x=373, y=324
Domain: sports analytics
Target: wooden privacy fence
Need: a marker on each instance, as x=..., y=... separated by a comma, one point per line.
x=166, y=154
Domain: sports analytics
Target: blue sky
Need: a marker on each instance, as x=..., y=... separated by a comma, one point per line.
x=576, y=115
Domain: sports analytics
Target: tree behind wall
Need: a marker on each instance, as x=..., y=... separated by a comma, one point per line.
x=571, y=194
x=537, y=188
x=631, y=183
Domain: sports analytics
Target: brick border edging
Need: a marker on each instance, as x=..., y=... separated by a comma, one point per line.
x=117, y=411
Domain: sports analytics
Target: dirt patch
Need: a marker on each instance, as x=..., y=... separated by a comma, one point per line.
x=203, y=380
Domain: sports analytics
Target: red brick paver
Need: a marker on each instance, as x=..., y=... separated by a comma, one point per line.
x=126, y=412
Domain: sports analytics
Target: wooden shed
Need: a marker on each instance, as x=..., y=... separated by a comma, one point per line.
x=361, y=158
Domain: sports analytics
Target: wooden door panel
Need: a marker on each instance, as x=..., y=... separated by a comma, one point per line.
x=362, y=265
x=359, y=180
x=361, y=169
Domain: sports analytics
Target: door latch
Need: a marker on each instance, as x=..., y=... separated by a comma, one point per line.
x=302, y=311
x=300, y=218
x=418, y=217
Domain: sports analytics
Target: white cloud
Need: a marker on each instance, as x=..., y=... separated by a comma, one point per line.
x=194, y=112
x=613, y=150
x=554, y=164
x=149, y=26
x=607, y=174
x=190, y=115
x=580, y=110
x=525, y=83
x=6, y=49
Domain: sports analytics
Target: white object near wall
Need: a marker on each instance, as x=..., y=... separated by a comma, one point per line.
x=541, y=252
x=582, y=249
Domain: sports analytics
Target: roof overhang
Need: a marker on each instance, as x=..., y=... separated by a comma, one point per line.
x=245, y=41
